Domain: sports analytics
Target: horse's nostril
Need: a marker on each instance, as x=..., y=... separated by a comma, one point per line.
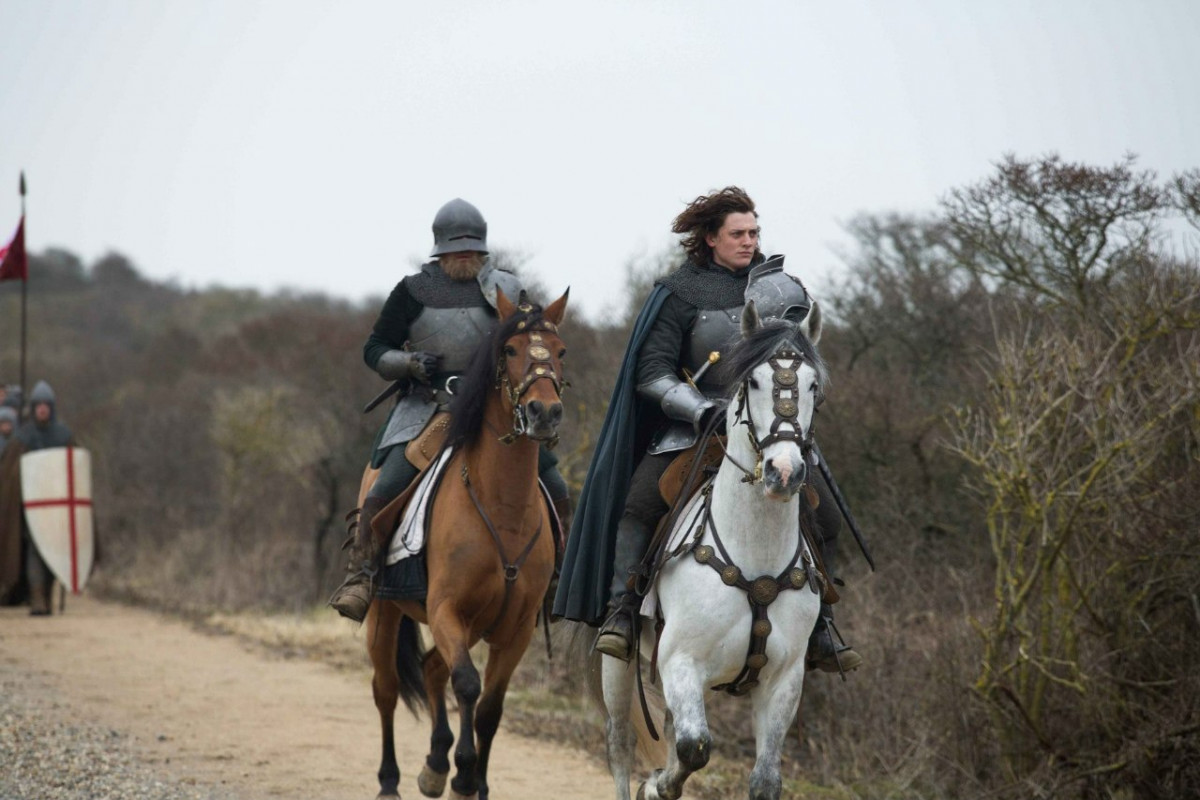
x=536, y=407
x=556, y=412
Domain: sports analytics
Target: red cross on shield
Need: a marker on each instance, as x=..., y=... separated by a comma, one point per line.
x=56, y=491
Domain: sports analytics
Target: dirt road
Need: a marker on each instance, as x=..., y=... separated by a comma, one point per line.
x=206, y=710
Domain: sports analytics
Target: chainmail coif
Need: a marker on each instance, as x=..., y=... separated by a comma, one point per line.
x=709, y=286
x=433, y=287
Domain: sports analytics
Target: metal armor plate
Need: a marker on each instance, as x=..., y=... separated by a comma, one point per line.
x=776, y=293
x=491, y=277
x=408, y=419
x=56, y=492
x=714, y=329
x=452, y=333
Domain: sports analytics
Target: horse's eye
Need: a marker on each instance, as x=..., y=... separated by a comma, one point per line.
x=813, y=388
x=509, y=350
x=754, y=383
x=562, y=353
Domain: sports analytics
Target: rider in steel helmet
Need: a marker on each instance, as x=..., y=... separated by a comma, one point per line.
x=459, y=227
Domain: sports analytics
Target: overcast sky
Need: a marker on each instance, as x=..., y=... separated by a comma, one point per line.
x=309, y=144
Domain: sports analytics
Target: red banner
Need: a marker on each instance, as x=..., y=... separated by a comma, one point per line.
x=14, y=261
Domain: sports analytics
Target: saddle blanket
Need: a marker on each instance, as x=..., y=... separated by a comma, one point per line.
x=685, y=534
x=409, y=536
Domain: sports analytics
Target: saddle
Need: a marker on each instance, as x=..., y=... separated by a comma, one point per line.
x=690, y=466
x=420, y=452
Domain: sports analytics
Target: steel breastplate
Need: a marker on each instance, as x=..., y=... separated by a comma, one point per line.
x=452, y=333
x=714, y=329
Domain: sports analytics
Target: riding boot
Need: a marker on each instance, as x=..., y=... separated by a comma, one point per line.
x=827, y=653
x=824, y=651
x=353, y=597
x=616, y=634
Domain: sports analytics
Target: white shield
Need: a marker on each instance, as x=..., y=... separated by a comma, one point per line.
x=56, y=491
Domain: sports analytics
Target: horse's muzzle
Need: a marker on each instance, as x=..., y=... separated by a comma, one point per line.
x=542, y=419
x=783, y=476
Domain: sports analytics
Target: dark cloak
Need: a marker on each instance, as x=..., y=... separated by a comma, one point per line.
x=628, y=426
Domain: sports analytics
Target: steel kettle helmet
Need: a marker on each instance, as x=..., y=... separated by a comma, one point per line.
x=459, y=227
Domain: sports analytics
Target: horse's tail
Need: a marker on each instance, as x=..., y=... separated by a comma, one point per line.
x=410, y=663
x=580, y=650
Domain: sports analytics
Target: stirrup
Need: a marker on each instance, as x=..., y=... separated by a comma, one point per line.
x=845, y=659
x=616, y=635
x=345, y=598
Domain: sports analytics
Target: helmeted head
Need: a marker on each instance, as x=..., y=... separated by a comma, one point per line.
x=8, y=420
x=42, y=401
x=459, y=227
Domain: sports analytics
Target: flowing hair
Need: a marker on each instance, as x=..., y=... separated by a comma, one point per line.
x=705, y=215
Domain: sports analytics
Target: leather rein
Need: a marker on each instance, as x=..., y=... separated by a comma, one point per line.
x=538, y=366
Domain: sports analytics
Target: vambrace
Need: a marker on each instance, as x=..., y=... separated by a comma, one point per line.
x=679, y=400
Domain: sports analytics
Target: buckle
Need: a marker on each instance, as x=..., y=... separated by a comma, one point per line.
x=450, y=383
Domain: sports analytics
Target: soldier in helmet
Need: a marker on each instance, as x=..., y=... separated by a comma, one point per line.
x=8, y=422
x=426, y=333
x=41, y=431
x=692, y=312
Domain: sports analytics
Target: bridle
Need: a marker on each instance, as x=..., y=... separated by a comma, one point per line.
x=539, y=365
x=785, y=393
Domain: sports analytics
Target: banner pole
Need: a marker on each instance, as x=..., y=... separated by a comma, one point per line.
x=24, y=297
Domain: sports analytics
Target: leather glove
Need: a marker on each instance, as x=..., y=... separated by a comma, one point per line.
x=400, y=364
x=708, y=417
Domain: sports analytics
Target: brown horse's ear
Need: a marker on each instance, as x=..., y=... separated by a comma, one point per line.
x=503, y=305
x=555, y=311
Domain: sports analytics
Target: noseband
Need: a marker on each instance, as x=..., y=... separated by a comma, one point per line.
x=785, y=393
x=539, y=365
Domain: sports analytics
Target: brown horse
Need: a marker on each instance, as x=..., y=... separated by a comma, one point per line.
x=489, y=555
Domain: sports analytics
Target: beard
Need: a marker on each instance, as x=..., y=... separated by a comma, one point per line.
x=461, y=266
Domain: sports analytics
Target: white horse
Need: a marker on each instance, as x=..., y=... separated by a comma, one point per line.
x=741, y=563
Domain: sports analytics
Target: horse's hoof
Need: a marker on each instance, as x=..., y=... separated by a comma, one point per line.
x=649, y=788
x=431, y=783
x=456, y=796
x=382, y=796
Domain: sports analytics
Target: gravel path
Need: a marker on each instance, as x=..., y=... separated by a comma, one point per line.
x=109, y=701
x=47, y=753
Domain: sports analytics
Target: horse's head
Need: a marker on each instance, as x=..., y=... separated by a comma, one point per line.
x=779, y=379
x=529, y=367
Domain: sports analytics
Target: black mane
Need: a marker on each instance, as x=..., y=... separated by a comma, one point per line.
x=467, y=405
x=735, y=366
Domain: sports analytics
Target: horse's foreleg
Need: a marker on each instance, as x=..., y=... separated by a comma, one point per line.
x=432, y=780
x=453, y=642
x=383, y=626
x=687, y=726
x=617, y=678
x=775, y=707
x=501, y=663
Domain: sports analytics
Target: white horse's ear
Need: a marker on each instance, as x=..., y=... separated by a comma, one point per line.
x=812, y=323
x=750, y=320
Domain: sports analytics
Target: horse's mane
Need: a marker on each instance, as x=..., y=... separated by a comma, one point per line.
x=735, y=366
x=467, y=405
